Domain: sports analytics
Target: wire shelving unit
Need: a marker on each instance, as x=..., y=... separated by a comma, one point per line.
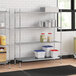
x=20, y=28
x=6, y=31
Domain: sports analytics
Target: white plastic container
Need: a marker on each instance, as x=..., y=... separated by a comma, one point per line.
x=48, y=23
x=47, y=49
x=39, y=53
x=2, y=25
x=43, y=23
x=54, y=53
x=53, y=23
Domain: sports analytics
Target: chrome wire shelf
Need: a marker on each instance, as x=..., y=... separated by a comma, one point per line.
x=4, y=28
x=28, y=59
x=36, y=42
x=24, y=12
x=2, y=12
x=3, y=62
x=4, y=45
x=36, y=27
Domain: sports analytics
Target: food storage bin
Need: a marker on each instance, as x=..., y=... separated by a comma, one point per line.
x=54, y=53
x=2, y=40
x=39, y=53
x=49, y=37
x=2, y=49
x=42, y=37
x=47, y=49
x=2, y=57
x=3, y=54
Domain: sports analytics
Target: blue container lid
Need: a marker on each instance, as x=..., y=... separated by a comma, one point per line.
x=47, y=46
x=39, y=50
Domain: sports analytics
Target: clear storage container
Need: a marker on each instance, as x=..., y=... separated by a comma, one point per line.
x=42, y=37
x=49, y=37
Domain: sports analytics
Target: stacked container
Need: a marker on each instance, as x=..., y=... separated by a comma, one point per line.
x=47, y=49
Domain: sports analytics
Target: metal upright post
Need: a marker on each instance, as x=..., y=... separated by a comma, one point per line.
x=9, y=39
x=54, y=32
x=5, y=30
x=5, y=22
x=14, y=37
x=20, y=36
x=61, y=33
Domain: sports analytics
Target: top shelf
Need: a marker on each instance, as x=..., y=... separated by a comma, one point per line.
x=43, y=10
x=3, y=28
x=3, y=12
x=34, y=12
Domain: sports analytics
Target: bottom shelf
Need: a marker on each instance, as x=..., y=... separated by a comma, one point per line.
x=29, y=59
x=4, y=62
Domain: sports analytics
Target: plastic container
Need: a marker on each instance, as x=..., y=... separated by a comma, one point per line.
x=53, y=23
x=54, y=53
x=2, y=49
x=39, y=53
x=49, y=37
x=42, y=24
x=2, y=25
x=48, y=23
x=42, y=37
x=2, y=40
x=47, y=49
x=3, y=57
x=3, y=54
